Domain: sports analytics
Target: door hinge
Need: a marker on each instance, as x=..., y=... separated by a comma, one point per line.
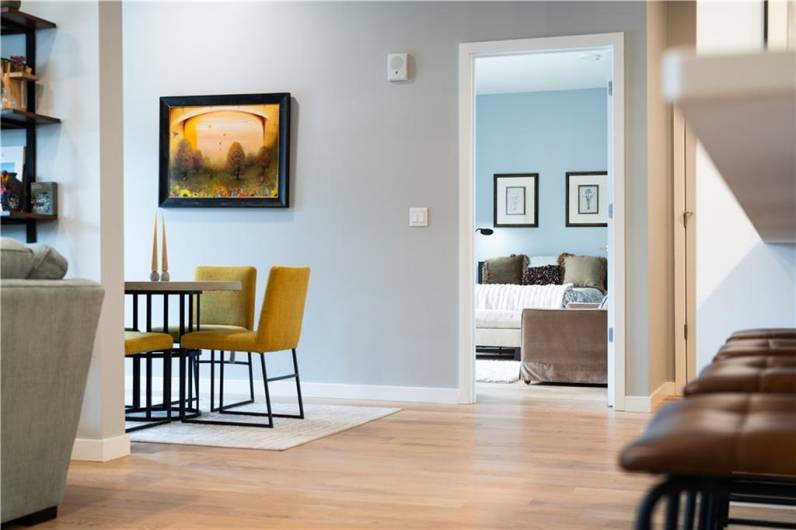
x=610, y=334
x=611, y=211
x=685, y=331
x=610, y=88
x=686, y=215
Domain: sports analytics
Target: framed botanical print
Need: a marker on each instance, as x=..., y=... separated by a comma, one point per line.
x=225, y=151
x=516, y=200
x=586, y=198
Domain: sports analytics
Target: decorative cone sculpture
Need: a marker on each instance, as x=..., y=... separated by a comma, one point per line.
x=154, y=276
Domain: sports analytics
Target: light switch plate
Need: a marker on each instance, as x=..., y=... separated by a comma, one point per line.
x=418, y=216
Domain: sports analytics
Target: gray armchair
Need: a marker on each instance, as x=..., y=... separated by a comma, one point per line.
x=48, y=329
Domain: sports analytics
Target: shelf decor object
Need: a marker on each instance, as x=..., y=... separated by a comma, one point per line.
x=225, y=151
x=742, y=108
x=24, y=115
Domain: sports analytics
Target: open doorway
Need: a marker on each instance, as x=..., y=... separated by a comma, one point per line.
x=542, y=188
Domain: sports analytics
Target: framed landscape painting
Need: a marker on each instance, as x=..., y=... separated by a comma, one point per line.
x=225, y=151
x=586, y=199
x=516, y=200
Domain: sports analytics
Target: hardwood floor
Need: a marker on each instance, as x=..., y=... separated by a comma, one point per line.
x=523, y=457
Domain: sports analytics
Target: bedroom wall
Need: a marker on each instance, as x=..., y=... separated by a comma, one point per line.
x=548, y=133
x=741, y=281
x=383, y=297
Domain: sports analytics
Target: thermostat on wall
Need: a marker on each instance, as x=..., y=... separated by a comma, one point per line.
x=397, y=69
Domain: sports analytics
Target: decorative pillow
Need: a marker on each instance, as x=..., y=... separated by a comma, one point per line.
x=544, y=275
x=16, y=260
x=505, y=270
x=585, y=271
x=48, y=263
x=582, y=295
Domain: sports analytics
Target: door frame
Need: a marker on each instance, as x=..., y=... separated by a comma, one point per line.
x=468, y=53
x=683, y=160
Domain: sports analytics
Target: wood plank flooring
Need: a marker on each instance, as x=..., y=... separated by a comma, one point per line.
x=523, y=457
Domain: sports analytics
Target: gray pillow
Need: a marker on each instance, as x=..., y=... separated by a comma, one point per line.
x=48, y=263
x=505, y=270
x=586, y=271
x=16, y=260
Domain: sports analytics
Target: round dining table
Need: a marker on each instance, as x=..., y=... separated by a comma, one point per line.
x=189, y=294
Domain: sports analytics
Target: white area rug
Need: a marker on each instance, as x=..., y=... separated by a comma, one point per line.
x=491, y=371
x=319, y=421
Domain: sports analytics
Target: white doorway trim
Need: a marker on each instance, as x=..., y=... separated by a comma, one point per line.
x=613, y=43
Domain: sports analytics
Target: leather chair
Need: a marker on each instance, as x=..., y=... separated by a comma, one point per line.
x=279, y=329
x=148, y=346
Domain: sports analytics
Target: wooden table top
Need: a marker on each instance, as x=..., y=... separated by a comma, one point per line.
x=180, y=287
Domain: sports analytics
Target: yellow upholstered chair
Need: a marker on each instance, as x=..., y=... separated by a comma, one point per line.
x=150, y=346
x=226, y=311
x=278, y=329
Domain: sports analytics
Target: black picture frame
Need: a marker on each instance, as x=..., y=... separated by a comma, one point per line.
x=567, y=190
x=535, y=183
x=282, y=200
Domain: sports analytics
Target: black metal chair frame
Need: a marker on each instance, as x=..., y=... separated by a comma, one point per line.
x=225, y=409
x=707, y=501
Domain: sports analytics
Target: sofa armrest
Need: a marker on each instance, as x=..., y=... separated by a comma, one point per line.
x=48, y=330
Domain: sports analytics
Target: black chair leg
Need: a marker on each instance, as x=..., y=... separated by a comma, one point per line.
x=212, y=380
x=267, y=393
x=251, y=378
x=298, y=385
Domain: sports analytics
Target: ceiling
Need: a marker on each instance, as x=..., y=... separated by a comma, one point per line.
x=536, y=72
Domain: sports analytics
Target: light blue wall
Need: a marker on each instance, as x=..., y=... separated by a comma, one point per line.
x=548, y=133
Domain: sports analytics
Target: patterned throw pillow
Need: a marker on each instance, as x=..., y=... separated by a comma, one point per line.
x=545, y=275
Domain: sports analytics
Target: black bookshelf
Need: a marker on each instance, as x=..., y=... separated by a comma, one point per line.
x=15, y=22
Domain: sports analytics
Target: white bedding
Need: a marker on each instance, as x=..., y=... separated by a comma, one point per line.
x=511, y=297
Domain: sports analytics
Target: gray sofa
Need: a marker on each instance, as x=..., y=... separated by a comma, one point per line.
x=48, y=329
x=565, y=346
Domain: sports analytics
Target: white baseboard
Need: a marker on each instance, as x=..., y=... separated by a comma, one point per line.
x=409, y=394
x=651, y=402
x=101, y=450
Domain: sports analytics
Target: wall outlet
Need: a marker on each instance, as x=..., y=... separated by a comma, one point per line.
x=418, y=216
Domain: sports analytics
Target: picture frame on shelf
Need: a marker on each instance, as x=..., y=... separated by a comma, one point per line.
x=586, y=199
x=44, y=198
x=12, y=159
x=225, y=151
x=516, y=200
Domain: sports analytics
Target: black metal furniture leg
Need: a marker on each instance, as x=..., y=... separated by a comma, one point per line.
x=148, y=386
x=212, y=380
x=136, y=382
x=182, y=386
x=267, y=393
x=298, y=385
x=672, y=511
x=167, y=382
x=690, y=510
x=251, y=378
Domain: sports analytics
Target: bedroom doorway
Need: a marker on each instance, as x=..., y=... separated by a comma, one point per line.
x=525, y=197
